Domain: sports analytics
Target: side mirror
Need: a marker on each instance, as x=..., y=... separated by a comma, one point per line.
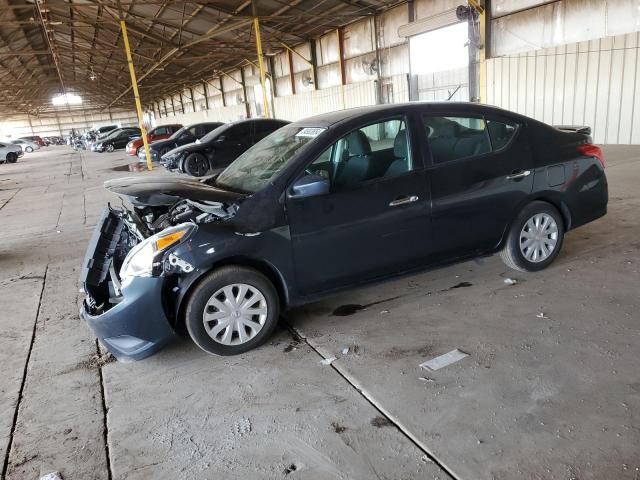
x=310, y=186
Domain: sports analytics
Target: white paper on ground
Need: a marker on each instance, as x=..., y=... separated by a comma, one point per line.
x=51, y=476
x=443, y=360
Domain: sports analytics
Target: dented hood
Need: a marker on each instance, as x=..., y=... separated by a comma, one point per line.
x=167, y=191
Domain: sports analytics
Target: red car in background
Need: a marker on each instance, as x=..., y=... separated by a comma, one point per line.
x=35, y=139
x=158, y=133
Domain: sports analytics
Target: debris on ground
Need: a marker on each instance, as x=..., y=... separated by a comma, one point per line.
x=426, y=379
x=328, y=361
x=51, y=476
x=382, y=312
x=542, y=315
x=381, y=421
x=337, y=427
x=97, y=361
x=444, y=360
x=510, y=281
x=345, y=351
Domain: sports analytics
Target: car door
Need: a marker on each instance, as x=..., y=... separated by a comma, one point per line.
x=482, y=168
x=375, y=220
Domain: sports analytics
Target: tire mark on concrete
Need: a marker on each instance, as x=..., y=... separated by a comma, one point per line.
x=5, y=465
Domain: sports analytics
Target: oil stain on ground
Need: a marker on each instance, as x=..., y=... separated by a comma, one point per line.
x=351, y=308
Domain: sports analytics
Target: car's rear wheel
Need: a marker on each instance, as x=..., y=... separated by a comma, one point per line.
x=28, y=149
x=109, y=147
x=535, y=238
x=12, y=157
x=196, y=165
x=232, y=310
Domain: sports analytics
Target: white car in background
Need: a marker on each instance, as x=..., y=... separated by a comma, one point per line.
x=9, y=152
x=26, y=145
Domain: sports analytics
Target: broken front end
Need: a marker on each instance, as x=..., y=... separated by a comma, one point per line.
x=132, y=270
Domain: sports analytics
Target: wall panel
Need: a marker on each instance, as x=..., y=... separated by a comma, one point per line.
x=594, y=83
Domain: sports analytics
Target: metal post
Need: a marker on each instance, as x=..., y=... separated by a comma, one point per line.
x=136, y=95
x=247, y=109
x=256, y=26
x=292, y=79
x=206, y=95
x=343, y=75
x=314, y=63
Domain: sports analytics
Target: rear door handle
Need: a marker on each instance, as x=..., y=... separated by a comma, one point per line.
x=403, y=201
x=517, y=175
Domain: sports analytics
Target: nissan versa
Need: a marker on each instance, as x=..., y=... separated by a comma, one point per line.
x=328, y=203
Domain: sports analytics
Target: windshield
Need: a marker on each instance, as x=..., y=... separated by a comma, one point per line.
x=252, y=170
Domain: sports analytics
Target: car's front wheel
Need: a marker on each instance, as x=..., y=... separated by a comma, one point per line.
x=232, y=310
x=12, y=157
x=196, y=165
x=28, y=149
x=535, y=238
x=109, y=147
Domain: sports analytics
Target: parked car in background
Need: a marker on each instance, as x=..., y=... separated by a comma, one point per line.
x=26, y=145
x=328, y=203
x=188, y=134
x=158, y=133
x=118, y=138
x=10, y=152
x=219, y=147
x=104, y=130
x=35, y=139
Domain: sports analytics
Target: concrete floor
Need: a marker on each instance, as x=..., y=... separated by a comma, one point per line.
x=539, y=397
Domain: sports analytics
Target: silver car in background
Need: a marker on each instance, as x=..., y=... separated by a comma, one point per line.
x=26, y=145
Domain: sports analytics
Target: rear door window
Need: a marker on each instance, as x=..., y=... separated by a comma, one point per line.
x=160, y=131
x=453, y=138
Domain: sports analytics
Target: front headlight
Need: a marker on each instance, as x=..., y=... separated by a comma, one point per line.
x=142, y=258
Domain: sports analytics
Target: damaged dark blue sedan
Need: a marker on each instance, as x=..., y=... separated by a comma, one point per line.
x=328, y=203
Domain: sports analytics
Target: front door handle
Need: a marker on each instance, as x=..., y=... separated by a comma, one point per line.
x=403, y=201
x=516, y=175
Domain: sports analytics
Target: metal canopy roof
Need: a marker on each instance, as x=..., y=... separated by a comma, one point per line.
x=53, y=46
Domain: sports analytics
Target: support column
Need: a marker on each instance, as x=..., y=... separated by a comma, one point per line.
x=206, y=95
x=244, y=93
x=314, y=63
x=263, y=80
x=292, y=78
x=134, y=85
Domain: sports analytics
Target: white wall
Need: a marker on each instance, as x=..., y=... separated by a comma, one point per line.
x=595, y=83
x=62, y=123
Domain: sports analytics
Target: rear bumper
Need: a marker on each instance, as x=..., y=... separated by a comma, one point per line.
x=137, y=326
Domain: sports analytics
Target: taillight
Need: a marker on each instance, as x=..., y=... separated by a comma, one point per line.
x=590, y=150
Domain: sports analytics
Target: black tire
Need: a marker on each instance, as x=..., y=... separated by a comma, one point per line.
x=12, y=157
x=109, y=147
x=196, y=165
x=212, y=283
x=512, y=254
x=28, y=149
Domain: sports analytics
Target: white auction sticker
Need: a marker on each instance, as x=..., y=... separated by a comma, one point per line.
x=310, y=132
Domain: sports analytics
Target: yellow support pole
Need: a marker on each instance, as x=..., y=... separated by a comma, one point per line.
x=265, y=99
x=134, y=85
x=482, y=50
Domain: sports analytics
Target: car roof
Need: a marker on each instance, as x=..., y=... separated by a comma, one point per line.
x=332, y=118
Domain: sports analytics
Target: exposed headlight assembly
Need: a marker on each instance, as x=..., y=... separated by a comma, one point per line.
x=142, y=258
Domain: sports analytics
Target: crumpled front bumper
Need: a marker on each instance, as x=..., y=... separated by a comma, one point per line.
x=137, y=326
x=129, y=319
